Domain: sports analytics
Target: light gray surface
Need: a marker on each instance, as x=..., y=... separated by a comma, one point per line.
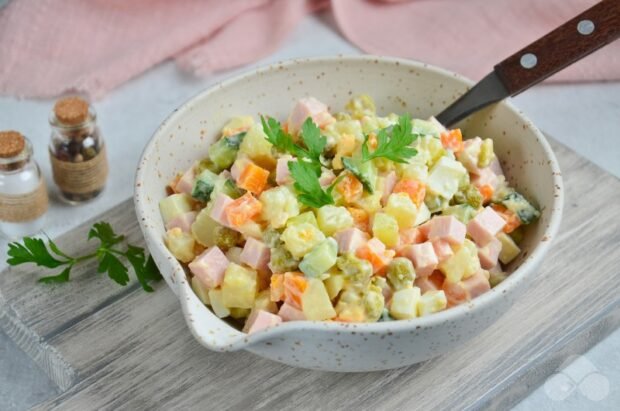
x=585, y=117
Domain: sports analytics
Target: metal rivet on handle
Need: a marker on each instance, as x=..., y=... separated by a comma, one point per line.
x=585, y=27
x=529, y=60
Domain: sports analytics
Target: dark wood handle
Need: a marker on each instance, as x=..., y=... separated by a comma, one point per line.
x=586, y=33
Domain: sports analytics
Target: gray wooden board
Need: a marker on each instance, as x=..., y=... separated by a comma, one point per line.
x=109, y=347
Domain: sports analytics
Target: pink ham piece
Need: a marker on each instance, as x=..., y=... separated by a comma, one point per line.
x=484, y=227
x=388, y=187
x=425, y=284
x=411, y=236
x=183, y=221
x=476, y=285
x=261, y=320
x=447, y=228
x=289, y=313
x=496, y=167
x=237, y=168
x=327, y=177
x=209, y=267
x=423, y=257
x=425, y=229
x=255, y=254
x=485, y=177
x=443, y=251
x=218, y=212
x=308, y=107
x=350, y=240
x=283, y=174
x=489, y=254
x=186, y=182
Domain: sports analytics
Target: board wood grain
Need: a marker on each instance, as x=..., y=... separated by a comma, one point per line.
x=114, y=348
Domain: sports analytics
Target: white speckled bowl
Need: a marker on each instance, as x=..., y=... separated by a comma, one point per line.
x=397, y=86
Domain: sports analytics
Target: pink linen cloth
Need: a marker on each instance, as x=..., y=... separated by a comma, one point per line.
x=48, y=47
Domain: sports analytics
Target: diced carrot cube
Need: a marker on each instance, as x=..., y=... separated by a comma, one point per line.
x=253, y=178
x=374, y=252
x=242, y=210
x=276, y=287
x=294, y=286
x=512, y=220
x=414, y=188
x=487, y=193
x=350, y=188
x=452, y=139
x=360, y=218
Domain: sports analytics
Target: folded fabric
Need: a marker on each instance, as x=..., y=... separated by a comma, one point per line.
x=48, y=47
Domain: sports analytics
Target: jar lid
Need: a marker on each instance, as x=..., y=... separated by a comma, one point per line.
x=11, y=143
x=71, y=110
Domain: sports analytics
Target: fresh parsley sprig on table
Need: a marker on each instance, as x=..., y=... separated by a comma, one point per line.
x=35, y=250
x=394, y=147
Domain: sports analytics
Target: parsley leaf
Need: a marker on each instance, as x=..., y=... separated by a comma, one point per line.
x=311, y=135
x=36, y=251
x=307, y=184
x=278, y=137
x=394, y=147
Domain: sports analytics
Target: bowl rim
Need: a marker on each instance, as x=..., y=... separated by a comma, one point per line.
x=236, y=339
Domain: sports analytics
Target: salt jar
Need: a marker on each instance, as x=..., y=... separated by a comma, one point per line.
x=77, y=150
x=23, y=195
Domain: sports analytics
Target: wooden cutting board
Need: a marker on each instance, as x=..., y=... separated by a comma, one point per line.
x=111, y=347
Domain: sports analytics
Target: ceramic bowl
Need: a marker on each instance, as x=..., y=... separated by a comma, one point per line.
x=397, y=86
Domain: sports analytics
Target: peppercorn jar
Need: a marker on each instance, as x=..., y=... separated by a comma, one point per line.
x=23, y=194
x=77, y=150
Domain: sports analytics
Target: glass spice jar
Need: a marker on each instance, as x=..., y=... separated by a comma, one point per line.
x=77, y=150
x=23, y=195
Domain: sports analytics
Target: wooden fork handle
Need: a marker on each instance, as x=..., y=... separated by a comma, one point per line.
x=586, y=33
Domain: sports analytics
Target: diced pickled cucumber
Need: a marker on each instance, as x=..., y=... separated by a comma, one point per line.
x=462, y=212
x=365, y=172
x=516, y=203
x=320, y=259
x=203, y=186
x=224, y=152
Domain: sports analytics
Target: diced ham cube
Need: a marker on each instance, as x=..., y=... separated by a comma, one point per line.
x=425, y=229
x=218, y=212
x=484, y=227
x=289, y=313
x=255, y=254
x=489, y=254
x=283, y=174
x=327, y=177
x=410, y=236
x=388, y=186
x=486, y=177
x=466, y=290
x=183, y=221
x=432, y=282
x=308, y=107
x=237, y=168
x=350, y=240
x=423, y=257
x=209, y=267
x=447, y=228
x=186, y=182
x=261, y=320
x=443, y=251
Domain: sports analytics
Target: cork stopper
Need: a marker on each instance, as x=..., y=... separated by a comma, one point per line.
x=71, y=110
x=11, y=143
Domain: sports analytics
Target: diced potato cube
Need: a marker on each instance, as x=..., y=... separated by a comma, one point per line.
x=320, y=259
x=424, y=214
x=404, y=303
x=462, y=264
x=400, y=206
x=371, y=203
x=236, y=125
x=239, y=287
x=279, y=204
x=510, y=249
x=263, y=302
x=415, y=170
x=256, y=146
x=180, y=244
x=217, y=303
x=315, y=302
x=332, y=219
x=174, y=205
x=307, y=217
x=334, y=284
x=239, y=313
x=430, y=149
x=431, y=302
x=234, y=255
x=201, y=291
x=299, y=239
x=385, y=228
x=444, y=177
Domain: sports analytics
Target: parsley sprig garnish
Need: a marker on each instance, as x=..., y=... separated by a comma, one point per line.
x=36, y=251
x=394, y=146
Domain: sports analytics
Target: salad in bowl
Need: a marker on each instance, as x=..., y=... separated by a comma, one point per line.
x=342, y=216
